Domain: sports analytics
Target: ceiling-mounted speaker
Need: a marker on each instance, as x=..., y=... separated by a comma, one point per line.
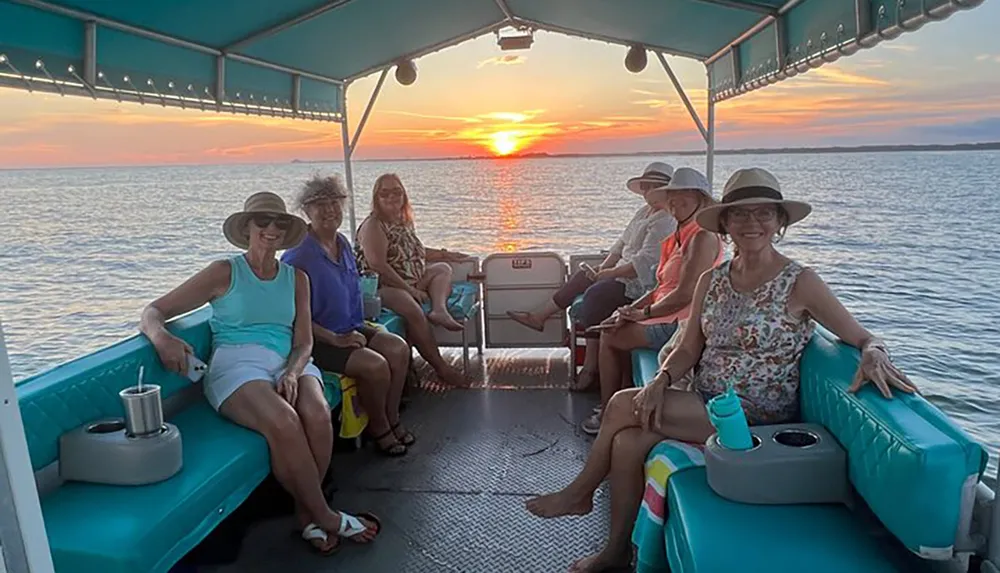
x=635, y=60
x=406, y=72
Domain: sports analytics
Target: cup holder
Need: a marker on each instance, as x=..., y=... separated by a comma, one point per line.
x=109, y=427
x=754, y=439
x=796, y=438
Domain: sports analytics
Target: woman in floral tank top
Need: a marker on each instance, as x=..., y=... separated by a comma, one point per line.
x=750, y=320
x=409, y=273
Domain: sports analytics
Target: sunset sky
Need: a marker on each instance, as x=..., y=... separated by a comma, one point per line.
x=939, y=85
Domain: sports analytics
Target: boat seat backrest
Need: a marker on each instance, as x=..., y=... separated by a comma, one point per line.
x=86, y=389
x=915, y=469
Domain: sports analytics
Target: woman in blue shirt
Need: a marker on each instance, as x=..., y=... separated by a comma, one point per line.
x=343, y=342
x=260, y=374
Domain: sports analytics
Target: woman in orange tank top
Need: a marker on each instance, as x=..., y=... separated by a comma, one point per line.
x=650, y=321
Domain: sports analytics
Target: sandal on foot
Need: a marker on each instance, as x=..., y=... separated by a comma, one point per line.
x=408, y=438
x=351, y=526
x=392, y=451
x=312, y=532
x=521, y=317
x=592, y=425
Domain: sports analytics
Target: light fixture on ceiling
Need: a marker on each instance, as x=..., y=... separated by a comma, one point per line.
x=635, y=60
x=406, y=72
x=519, y=38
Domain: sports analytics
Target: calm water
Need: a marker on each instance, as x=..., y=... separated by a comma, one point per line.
x=908, y=241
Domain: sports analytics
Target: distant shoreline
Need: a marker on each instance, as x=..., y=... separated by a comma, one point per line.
x=992, y=146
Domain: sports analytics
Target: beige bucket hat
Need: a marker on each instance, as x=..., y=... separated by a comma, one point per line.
x=752, y=186
x=656, y=172
x=263, y=203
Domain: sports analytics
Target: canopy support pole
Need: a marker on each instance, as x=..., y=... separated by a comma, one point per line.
x=24, y=546
x=683, y=95
x=350, y=144
x=368, y=109
x=348, y=176
x=710, y=139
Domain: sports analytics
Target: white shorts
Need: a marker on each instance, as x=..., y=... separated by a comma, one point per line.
x=233, y=366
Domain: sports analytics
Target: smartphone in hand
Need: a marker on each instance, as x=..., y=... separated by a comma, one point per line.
x=196, y=368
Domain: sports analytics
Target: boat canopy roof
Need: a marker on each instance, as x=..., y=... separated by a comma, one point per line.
x=295, y=58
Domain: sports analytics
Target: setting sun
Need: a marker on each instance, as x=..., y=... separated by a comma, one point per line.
x=504, y=142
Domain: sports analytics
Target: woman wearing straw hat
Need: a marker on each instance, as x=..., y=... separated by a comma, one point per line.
x=260, y=374
x=750, y=321
x=377, y=359
x=651, y=321
x=626, y=273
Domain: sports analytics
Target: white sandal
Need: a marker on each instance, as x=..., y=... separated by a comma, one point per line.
x=351, y=526
x=313, y=532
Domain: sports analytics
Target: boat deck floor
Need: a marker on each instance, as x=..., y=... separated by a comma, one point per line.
x=455, y=502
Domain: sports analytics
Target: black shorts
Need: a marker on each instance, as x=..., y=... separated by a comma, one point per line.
x=333, y=358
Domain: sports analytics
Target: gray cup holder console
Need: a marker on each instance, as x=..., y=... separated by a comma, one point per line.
x=103, y=452
x=796, y=438
x=109, y=427
x=788, y=464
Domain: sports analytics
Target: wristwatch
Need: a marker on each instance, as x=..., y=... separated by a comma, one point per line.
x=646, y=311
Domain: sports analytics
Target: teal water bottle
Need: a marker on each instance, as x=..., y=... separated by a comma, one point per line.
x=725, y=412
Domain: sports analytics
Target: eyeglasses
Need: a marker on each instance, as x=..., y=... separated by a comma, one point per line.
x=761, y=214
x=282, y=222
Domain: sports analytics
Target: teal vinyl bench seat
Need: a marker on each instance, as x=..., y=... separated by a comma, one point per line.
x=708, y=533
x=95, y=528
x=108, y=529
x=645, y=365
x=913, y=473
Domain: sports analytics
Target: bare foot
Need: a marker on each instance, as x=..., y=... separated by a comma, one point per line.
x=452, y=377
x=559, y=504
x=443, y=319
x=584, y=380
x=603, y=561
x=370, y=532
x=526, y=319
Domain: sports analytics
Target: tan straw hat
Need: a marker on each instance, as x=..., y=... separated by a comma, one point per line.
x=263, y=203
x=656, y=172
x=752, y=186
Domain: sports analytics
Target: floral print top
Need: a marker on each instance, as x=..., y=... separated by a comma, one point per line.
x=752, y=340
x=405, y=253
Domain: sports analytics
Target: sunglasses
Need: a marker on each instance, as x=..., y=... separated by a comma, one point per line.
x=282, y=222
x=388, y=192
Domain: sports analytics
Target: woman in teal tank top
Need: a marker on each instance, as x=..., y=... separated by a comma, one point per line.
x=261, y=375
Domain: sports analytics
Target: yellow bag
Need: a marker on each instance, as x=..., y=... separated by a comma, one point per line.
x=353, y=419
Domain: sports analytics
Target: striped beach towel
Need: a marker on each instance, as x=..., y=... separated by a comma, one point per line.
x=664, y=460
